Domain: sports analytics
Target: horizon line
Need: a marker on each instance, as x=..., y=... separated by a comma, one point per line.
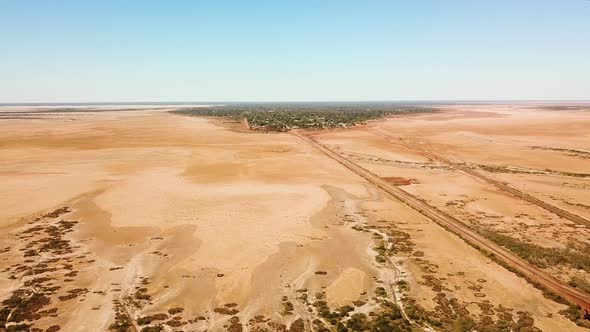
x=399, y=101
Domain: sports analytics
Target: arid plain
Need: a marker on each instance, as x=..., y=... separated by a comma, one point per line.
x=143, y=220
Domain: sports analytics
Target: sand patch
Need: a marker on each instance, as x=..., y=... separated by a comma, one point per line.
x=346, y=288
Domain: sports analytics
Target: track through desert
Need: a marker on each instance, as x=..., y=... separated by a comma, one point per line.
x=455, y=226
x=498, y=184
x=131, y=320
x=397, y=272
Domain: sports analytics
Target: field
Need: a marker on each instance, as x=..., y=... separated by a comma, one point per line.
x=148, y=220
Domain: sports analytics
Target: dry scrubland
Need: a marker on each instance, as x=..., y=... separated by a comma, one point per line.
x=149, y=220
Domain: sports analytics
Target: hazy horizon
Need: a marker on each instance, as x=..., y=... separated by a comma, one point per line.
x=217, y=103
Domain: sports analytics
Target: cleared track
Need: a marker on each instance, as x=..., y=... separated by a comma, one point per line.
x=500, y=185
x=455, y=226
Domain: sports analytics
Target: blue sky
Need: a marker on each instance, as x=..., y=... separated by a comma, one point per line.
x=141, y=50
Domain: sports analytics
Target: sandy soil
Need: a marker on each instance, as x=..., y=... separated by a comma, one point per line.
x=209, y=216
x=524, y=137
x=247, y=229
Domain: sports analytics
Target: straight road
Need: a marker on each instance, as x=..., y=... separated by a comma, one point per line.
x=455, y=226
x=500, y=185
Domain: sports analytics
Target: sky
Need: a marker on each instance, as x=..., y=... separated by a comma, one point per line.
x=293, y=50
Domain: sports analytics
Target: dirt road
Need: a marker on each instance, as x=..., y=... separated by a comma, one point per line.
x=455, y=226
x=500, y=185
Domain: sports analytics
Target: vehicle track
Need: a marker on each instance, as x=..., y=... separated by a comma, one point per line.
x=498, y=184
x=392, y=266
x=455, y=226
x=128, y=313
x=301, y=310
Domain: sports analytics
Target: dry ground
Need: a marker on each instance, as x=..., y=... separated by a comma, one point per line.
x=504, y=142
x=165, y=211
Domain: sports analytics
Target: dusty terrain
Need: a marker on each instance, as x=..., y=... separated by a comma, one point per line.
x=138, y=218
x=538, y=150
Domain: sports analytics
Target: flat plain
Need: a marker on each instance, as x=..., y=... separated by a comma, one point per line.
x=144, y=220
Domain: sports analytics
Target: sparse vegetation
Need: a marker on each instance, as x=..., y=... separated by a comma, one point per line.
x=403, y=285
x=570, y=152
x=157, y=328
x=175, y=310
x=540, y=256
x=226, y=311
x=388, y=318
x=122, y=321
x=380, y=292
x=149, y=319
x=515, y=170
x=573, y=313
x=580, y=282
